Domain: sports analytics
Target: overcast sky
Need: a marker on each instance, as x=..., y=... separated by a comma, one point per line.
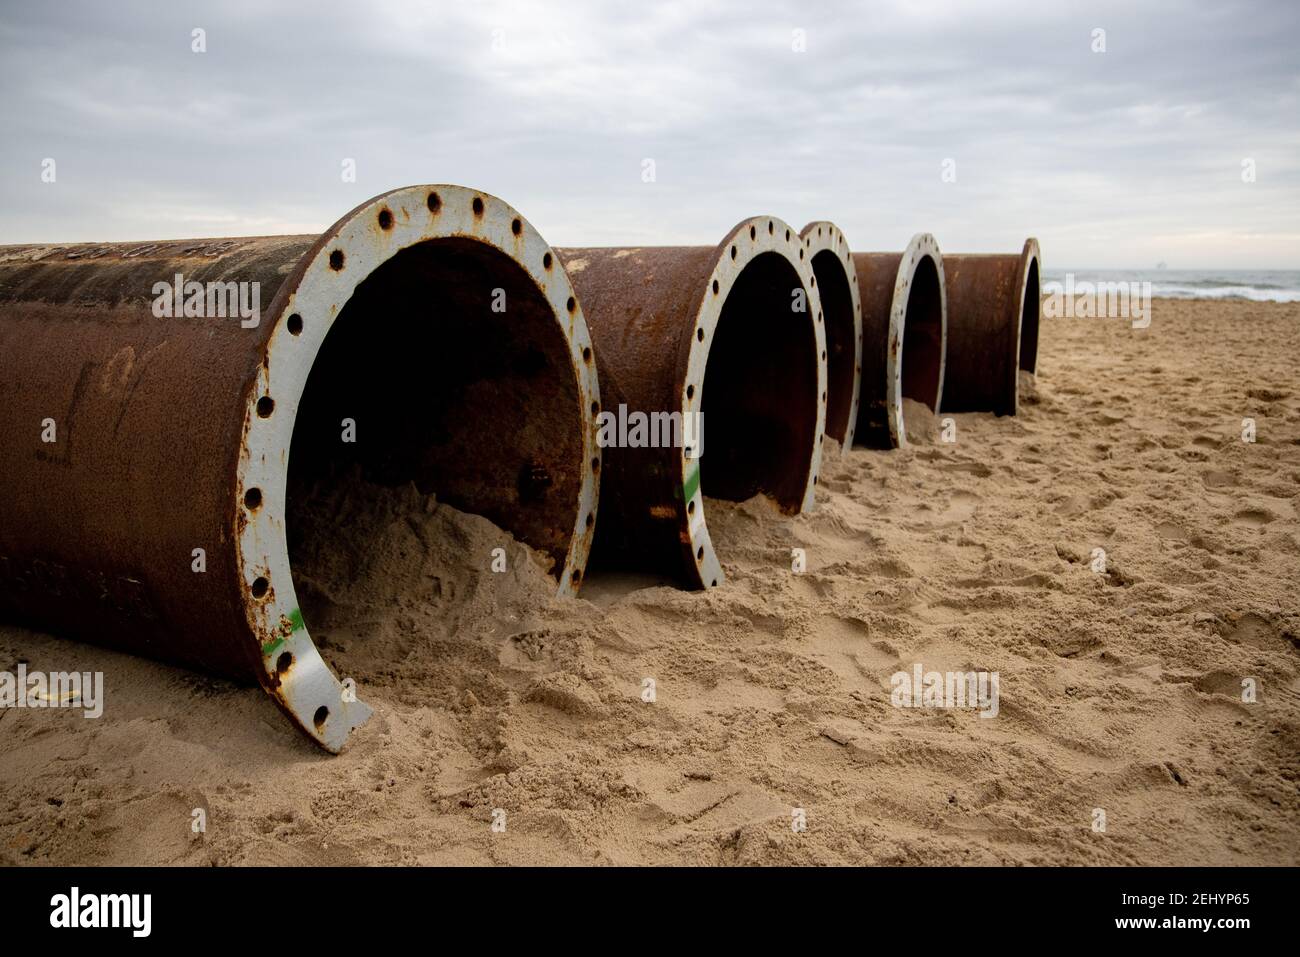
x=1116, y=159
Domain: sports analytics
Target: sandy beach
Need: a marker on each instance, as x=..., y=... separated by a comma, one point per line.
x=1120, y=691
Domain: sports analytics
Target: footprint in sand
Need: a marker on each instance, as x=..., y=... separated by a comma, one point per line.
x=977, y=469
x=1073, y=643
x=1258, y=631
x=961, y=507
x=887, y=568
x=843, y=646
x=1219, y=479
x=1219, y=682
x=1267, y=395
x=1173, y=532
x=1255, y=517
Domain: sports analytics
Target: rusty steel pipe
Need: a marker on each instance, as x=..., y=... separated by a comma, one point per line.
x=735, y=333
x=837, y=287
x=435, y=318
x=905, y=322
x=993, y=311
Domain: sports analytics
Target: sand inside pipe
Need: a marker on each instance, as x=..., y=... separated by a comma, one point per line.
x=385, y=574
x=919, y=422
x=383, y=570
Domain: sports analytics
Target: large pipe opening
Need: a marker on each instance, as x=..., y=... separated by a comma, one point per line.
x=923, y=339
x=1029, y=320
x=760, y=390
x=453, y=373
x=841, y=333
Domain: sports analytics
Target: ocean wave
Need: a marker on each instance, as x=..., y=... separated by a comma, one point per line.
x=1246, y=285
x=1249, y=293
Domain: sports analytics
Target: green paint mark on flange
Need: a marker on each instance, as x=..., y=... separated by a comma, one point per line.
x=288, y=625
x=692, y=483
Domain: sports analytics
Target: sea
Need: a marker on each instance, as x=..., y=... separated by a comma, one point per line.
x=1263, y=285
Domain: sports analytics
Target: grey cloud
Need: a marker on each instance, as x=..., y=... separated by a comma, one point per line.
x=1115, y=159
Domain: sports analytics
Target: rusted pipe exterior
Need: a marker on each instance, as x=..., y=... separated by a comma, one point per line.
x=734, y=332
x=993, y=311
x=133, y=440
x=905, y=324
x=837, y=287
